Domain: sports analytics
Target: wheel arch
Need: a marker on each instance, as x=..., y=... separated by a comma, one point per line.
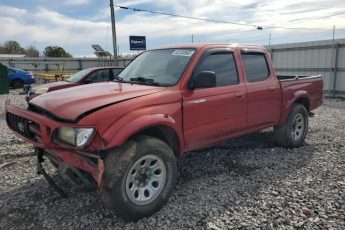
x=299, y=97
x=159, y=126
x=165, y=134
x=303, y=100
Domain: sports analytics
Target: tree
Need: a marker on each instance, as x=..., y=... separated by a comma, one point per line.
x=31, y=51
x=2, y=49
x=55, y=51
x=13, y=47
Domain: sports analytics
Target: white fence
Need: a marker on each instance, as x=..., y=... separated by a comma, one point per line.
x=60, y=64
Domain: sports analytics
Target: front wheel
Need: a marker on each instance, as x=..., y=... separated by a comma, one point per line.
x=139, y=177
x=293, y=133
x=17, y=83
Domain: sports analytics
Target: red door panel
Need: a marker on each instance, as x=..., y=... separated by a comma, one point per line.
x=263, y=103
x=213, y=114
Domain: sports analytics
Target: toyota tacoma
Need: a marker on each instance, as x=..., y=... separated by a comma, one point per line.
x=123, y=137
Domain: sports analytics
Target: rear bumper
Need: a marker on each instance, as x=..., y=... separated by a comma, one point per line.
x=38, y=130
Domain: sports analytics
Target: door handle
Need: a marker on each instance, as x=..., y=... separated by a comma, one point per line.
x=197, y=101
x=239, y=95
x=272, y=88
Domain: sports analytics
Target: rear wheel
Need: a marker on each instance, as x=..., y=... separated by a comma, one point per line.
x=139, y=177
x=17, y=83
x=293, y=133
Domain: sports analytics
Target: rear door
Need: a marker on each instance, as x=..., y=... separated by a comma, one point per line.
x=264, y=96
x=211, y=114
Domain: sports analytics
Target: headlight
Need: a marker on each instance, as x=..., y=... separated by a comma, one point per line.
x=74, y=136
x=42, y=90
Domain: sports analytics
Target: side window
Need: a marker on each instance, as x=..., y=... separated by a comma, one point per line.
x=223, y=64
x=116, y=72
x=99, y=76
x=256, y=67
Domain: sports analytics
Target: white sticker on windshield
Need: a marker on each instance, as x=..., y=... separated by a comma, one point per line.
x=186, y=53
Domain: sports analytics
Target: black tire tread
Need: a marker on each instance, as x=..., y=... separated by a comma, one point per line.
x=282, y=135
x=116, y=164
x=17, y=80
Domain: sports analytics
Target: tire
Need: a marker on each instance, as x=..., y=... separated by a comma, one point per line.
x=133, y=191
x=293, y=133
x=17, y=83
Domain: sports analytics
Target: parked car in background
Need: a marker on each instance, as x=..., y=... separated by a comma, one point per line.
x=18, y=78
x=85, y=76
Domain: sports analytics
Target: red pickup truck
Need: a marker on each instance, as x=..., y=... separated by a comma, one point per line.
x=124, y=136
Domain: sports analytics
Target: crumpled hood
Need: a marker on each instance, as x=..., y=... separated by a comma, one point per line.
x=72, y=102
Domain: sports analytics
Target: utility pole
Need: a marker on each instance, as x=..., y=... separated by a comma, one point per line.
x=331, y=83
x=269, y=43
x=192, y=38
x=113, y=28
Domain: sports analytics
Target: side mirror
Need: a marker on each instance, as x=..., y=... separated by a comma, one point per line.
x=204, y=79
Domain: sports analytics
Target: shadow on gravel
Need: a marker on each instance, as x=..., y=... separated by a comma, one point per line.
x=212, y=181
x=243, y=156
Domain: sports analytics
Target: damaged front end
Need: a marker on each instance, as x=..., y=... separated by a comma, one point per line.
x=76, y=177
x=81, y=165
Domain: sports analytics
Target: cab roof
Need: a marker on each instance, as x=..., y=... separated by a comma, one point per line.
x=201, y=45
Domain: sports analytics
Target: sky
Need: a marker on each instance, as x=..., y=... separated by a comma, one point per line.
x=75, y=25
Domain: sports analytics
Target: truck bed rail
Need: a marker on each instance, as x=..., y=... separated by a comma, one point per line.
x=296, y=77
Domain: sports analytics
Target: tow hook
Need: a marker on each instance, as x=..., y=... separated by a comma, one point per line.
x=41, y=171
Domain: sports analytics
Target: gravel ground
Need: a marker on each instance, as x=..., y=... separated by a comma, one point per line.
x=245, y=183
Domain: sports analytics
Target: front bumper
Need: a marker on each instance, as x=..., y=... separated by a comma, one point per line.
x=38, y=130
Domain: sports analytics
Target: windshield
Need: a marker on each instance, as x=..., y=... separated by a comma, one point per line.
x=78, y=75
x=163, y=67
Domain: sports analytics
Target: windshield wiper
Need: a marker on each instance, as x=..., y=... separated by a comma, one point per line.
x=145, y=80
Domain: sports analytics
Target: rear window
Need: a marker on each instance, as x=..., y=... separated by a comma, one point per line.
x=256, y=67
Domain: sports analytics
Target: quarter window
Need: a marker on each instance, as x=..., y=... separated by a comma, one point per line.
x=256, y=67
x=223, y=64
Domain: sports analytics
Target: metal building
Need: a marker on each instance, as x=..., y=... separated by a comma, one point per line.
x=326, y=58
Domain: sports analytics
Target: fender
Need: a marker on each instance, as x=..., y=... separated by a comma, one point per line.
x=142, y=123
x=289, y=101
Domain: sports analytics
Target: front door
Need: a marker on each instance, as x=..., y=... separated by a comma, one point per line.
x=211, y=114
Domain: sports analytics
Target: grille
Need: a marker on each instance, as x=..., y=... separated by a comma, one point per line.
x=24, y=127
